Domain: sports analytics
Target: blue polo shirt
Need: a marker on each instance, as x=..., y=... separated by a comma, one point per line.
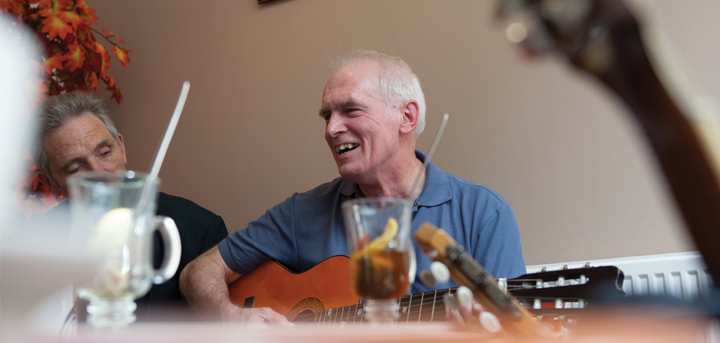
x=308, y=227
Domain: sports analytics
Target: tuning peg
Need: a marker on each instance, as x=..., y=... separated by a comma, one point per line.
x=490, y=322
x=502, y=284
x=428, y=279
x=440, y=272
x=464, y=295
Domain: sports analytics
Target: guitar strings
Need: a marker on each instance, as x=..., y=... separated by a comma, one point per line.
x=414, y=311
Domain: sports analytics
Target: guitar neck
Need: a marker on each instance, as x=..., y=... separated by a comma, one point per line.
x=572, y=288
x=424, y=307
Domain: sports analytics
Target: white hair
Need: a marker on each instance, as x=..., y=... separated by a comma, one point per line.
x=55, y=111
x=398, y=83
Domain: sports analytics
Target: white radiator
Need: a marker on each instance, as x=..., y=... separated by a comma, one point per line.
x=682, y=275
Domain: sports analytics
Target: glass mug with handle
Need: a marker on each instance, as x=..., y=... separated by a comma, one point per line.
x=108, y=213
x=382, y=258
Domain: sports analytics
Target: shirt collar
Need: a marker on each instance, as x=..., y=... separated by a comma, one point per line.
x=435, y=192
x=437, y=186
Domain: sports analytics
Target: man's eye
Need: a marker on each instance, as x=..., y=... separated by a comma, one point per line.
x=105, y=153
x=74, y=170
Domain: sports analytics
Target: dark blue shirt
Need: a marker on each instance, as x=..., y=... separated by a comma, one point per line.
x=307, y=228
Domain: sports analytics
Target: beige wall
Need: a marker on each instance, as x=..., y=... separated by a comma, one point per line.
x=553, y=143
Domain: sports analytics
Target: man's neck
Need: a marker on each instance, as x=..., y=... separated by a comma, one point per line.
x=398, y=183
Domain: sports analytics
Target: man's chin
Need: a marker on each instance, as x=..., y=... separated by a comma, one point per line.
x=350, y=174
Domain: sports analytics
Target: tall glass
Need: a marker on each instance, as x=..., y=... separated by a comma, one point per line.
x=378, y=233
x=109, y=215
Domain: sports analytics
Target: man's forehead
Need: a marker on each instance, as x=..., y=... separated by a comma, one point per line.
x=351, y=83
x=74, y=137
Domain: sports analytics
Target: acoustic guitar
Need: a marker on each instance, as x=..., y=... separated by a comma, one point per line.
x=323, y=295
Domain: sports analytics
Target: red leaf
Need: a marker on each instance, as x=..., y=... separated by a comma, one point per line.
x=75, y=57
x=110, y=81
x=105, y=65
x=92, y=79
x=100, y=49
x=122, y=55
x=55, y=26
x=110, y=34
x=48, y=8
x=71, y=17
x=87, y=13
x=55, y=61
x=13, y=6
x=115, y=93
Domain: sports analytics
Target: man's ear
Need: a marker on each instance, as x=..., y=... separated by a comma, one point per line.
x=122, y=146
x=410, y=116
x=46, y=181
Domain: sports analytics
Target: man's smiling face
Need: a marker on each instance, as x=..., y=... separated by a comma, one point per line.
x=82, y=143
x=362, y=133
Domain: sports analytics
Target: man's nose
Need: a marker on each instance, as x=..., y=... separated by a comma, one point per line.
x=335, y=125
x=97, y=166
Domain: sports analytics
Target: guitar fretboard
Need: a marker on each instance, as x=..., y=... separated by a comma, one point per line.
x=424, y=307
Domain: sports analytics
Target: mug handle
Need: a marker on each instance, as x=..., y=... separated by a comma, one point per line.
x=173, y=249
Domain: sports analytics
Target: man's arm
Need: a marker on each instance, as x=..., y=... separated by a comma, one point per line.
x=204, y=283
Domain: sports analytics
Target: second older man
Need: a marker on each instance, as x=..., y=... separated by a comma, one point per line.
x=374, y=110
x=76, y=134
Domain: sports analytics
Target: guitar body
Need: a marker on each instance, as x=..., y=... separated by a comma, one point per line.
x=325, y=286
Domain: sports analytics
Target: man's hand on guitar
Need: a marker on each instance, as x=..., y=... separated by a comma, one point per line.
x=464, y=313
x=204, y=283
x=253, y=317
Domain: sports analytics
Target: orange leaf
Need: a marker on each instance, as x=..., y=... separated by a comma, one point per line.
x=55, y=61
x=92, y=79
x=105, y=65
x=75, y=57
x=110, y=34
x=48, y=8
x=115, y=93
x=110, y=81
x=13, y=6
x=72, y=18
x=55, y=26
x=100, y=49
x=122, y=55
x=87, y=13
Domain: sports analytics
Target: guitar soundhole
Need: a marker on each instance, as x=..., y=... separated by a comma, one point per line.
x=305, y=310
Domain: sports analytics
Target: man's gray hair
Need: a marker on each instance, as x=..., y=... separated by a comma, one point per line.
x=398, y=83
x=55, y=111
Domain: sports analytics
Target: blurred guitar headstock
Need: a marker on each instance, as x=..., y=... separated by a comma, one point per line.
x=589, y=33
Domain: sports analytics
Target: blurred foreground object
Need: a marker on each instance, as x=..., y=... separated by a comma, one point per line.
x=603, y=39
x=36, y=261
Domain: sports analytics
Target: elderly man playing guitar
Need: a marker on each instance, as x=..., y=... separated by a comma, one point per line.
x=374, y=110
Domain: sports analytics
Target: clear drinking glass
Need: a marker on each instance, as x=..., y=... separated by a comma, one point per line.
x=378, y=233
x=108, y=214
